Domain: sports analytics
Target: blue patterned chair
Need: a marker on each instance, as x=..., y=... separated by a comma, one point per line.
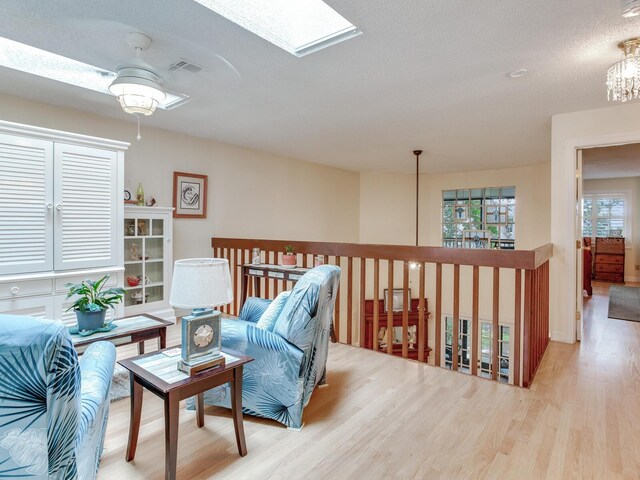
x=53, y=408
x=291, y=360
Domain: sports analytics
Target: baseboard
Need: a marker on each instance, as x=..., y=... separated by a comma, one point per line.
x=632, y=279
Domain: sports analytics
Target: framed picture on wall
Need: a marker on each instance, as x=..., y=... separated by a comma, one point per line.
x=189, y=195
x=397, y=301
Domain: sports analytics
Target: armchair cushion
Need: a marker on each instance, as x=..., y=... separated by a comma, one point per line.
x=268, y=319
x=295, y=321
x=253, y=309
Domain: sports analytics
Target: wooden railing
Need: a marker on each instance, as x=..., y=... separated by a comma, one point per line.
x=440, y=271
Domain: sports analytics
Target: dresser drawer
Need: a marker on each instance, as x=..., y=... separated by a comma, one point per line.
x=609, y=268
x=610, y=277
x=611, y=259
x=25, y=288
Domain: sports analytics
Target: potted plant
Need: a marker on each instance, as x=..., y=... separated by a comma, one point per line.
x=289, y=259
x=93, y=301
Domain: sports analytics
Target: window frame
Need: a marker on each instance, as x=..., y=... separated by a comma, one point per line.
x=627, y=217
x=484, y=239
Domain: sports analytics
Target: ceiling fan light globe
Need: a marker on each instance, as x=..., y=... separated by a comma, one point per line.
x=137, y=104
x=137, y=90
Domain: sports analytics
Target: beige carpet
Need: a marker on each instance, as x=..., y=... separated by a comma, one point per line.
x=624, y=303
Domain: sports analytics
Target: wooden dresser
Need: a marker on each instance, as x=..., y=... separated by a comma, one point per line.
x=609, y=259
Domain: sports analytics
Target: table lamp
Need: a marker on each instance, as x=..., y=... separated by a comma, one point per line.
x=201, y=284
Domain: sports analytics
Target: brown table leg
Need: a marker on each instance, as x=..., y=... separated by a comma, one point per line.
x=134, y=422
x=140, y=348
x=243, y=292
x=200, y=410
x=236, y=410
x=171, y=411
x=256, y=287
x=163, y=337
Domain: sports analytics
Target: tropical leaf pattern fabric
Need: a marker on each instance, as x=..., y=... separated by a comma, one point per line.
x=291, y=360
x=44, y=423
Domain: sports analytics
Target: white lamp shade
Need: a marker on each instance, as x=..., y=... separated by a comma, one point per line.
x=201, y=283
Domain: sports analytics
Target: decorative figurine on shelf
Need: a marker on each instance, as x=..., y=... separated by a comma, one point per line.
x=140, y=195
x=131, y=230
x=134, y=252
x=151, y=201
x=142, y=228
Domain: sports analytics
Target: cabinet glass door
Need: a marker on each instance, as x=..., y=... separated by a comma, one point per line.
x=144, y=261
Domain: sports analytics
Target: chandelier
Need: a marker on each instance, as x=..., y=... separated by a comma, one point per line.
x=623, y=77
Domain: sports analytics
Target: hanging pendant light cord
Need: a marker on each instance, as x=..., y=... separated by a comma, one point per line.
x=417, y=153
x=139, y=136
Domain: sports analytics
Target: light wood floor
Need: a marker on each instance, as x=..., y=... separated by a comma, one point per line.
x=386, y=417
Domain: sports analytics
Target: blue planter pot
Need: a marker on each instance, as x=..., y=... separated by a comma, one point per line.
x=90, y=320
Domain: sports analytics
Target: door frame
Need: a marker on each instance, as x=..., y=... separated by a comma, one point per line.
x=567, y=232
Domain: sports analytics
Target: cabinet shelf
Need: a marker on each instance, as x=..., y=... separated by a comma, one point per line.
x=157, y=223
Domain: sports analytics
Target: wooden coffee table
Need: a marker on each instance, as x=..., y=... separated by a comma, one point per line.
x=134, y=329
x=158, y=373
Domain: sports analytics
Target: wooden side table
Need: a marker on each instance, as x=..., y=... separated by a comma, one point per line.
x=134, y=329
x=157, y=372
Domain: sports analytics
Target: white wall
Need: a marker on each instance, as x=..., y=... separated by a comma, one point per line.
x=387, y=204
x=627, y=186
x=251, y=194
x=607, y=126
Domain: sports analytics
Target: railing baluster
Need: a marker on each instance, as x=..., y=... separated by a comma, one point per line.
x=349, y=300
x=526, y=339
x=456, y=317
x=336, y=327
x=389, y=304
x=438, y=319
x=363, y=276
x=475, y=320
x=376, y=304
x=495, y=362
x=517, y=318
x=237, y=272
x=422, y=327
x=405, y=309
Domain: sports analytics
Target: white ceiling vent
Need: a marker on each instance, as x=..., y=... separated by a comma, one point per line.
x=185, y=65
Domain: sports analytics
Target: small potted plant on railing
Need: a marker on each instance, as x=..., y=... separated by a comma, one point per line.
x=289, y=259
x=93, y=301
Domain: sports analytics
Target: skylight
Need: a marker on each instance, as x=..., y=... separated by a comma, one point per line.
x=298, y=26
x=28, y=59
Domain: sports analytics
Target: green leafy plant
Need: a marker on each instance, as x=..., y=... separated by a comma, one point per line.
x=93, y=297
x=288, y=249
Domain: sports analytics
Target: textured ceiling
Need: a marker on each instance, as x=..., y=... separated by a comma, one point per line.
x=611, y=162
x=428, y=74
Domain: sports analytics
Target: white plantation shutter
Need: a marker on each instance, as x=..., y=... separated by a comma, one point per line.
x=26, y=192
x=85, y=207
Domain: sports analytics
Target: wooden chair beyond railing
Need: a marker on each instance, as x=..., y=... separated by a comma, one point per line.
x=527, y=341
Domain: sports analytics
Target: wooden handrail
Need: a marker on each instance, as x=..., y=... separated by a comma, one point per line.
x=519, y=259
x=529, y=329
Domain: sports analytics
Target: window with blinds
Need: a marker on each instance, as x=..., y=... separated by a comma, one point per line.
x=604, y=215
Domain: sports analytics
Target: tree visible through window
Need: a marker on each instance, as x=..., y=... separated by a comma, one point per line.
x=479, y=218
x=603, y=215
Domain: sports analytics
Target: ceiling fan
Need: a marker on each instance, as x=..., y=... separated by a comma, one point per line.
x=137, y=86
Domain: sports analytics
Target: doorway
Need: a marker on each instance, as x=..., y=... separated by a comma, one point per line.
x=607, y=224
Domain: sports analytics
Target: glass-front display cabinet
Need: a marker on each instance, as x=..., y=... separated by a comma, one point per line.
x=148, y=260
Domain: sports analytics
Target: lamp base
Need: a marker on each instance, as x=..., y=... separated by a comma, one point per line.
x=192, y=369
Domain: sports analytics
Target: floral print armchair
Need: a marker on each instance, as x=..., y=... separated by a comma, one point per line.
x=291, y=360
x=53, y=408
